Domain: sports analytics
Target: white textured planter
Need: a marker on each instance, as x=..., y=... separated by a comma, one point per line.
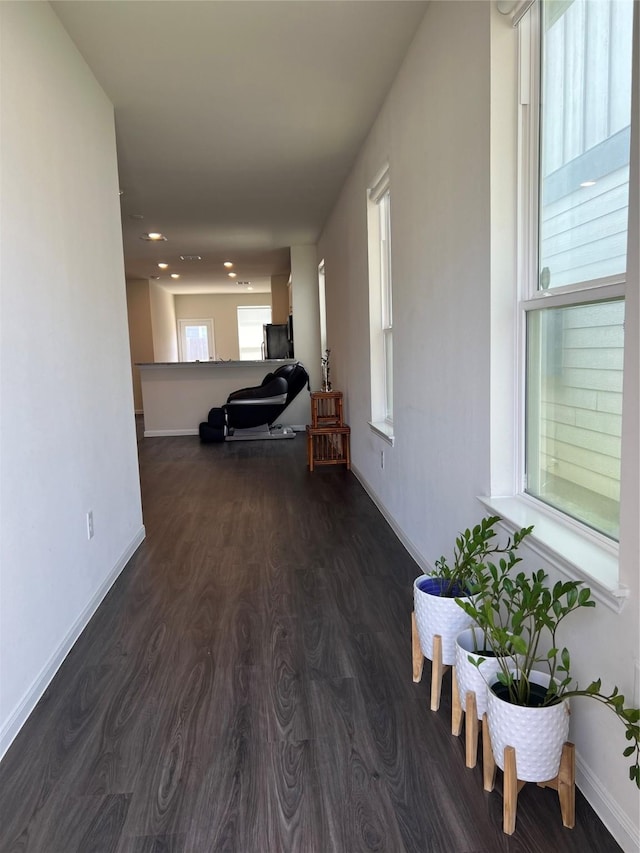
x=536, y=734
x=437, y=615
x=471, y=678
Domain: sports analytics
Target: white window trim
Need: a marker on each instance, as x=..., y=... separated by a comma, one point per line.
x=383, y=430
x=566, y=545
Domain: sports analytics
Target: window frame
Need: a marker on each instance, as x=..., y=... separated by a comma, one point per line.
x=531, y=297
x=564, y=543
x=381, y=305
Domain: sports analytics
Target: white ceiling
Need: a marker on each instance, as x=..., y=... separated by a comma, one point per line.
x=237, y=121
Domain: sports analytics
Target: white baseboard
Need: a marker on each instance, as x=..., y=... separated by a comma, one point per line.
x=15, y=722
x=618, y=822
x=155, y=433
x=408, y=544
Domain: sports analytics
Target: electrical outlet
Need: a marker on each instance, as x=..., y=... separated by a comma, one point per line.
x=382, y=458
x=90, y=524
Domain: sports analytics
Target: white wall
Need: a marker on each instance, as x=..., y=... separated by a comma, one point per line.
x=68, y=440
x=440, y=131
x=434, y=132
x=306, y=327
x=163, y=323
x=140, y=332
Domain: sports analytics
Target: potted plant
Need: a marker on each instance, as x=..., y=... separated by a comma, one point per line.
x=519, y=617
x=435, y=594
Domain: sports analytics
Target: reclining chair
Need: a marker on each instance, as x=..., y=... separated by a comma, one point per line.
x=250, y=413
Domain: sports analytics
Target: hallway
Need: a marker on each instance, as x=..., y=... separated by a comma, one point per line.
x=246, y=687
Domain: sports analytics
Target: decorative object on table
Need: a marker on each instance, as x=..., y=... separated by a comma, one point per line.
x=328, y=437
x=326, y=371
x=519, y=617
x=437, y=618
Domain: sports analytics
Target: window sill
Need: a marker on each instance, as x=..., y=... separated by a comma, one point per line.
x=384, y=430
x=566, y=546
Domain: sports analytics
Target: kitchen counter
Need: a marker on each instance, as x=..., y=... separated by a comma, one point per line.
x=177, y=395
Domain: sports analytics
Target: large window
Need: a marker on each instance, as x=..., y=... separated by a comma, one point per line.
x=251, y=321
x=576, y=150
x=381, y=306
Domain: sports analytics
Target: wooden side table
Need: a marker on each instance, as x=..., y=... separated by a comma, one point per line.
x=326, y=408
x=329, y=445
x=328, y=437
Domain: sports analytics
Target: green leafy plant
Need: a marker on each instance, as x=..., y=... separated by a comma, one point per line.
x=472, y=548
x=520, y=617
x=326, y=370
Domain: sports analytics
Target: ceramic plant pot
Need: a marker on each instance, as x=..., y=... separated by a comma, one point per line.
x=472, y=678
x=536, y=734
x=436, y=614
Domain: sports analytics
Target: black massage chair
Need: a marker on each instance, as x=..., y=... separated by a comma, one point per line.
x=250, y=408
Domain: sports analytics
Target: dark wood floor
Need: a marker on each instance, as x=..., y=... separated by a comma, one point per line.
x=246, y=687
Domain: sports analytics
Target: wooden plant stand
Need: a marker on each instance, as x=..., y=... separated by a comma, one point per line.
x=328, y=437
x=470, y=712
x=438, y=669
x=564, y=783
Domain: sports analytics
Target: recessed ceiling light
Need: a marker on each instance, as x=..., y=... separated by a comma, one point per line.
x=190, y=257
x=232, y=274
x=120, y=192
x=175, y=275
x=155, y=277
x=153, y=236
x=228, y=264
x=136, y=216
x=588, y=184
x=249, y=288
x=163, y=266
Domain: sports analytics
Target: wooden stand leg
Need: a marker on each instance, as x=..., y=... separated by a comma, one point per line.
x=510, y=791
x=437, y=671
x=488, y=761
x=567, y=785
x=471, y=729
x=310, y=451
x=456, y=707
x=416, y=651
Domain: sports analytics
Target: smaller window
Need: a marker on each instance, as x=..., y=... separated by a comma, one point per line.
x=386, y=319
x=322, y=298
x=195, y=340
x=251, y=322
x=381, y=306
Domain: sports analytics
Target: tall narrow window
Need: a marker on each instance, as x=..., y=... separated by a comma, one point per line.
x=381, y=306
x=573, y=300
x=322, y=300
x=386, y=318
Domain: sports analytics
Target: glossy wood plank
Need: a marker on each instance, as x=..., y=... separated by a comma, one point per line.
x=247, y=686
